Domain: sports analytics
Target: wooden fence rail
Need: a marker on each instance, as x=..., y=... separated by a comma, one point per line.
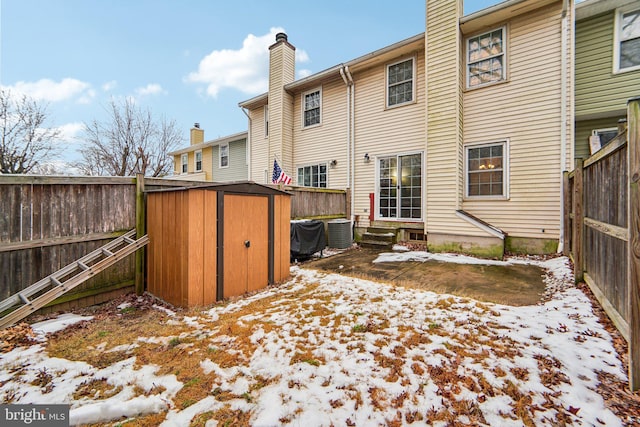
x=602, y=217
x=320, y=203
x=47, y=222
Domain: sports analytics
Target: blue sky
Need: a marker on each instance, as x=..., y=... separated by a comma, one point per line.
x=191, y=61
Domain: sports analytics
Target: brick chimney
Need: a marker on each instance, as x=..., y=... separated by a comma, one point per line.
x=281, y=71
x=197, y=135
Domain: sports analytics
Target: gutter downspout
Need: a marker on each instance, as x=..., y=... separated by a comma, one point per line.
x=352, y=142
x=248, y=153
x=346, y=82
x=563, y=118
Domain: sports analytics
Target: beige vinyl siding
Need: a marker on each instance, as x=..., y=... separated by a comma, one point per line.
x=584, y=130
x=177, y=165
x=600, y=92
x=526, y=111
x=237, y=169
x=324, y=142
x=207, y=167
x=259, y=147
x=381, y=131
x=443, y=121
x=281, y=72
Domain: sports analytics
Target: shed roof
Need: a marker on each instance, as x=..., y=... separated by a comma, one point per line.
x=240, y=187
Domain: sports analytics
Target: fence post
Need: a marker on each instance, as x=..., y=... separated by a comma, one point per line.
x=566, y=211
x=633, y=245
x=577, y=243
x=141, y=230
x=347, y=201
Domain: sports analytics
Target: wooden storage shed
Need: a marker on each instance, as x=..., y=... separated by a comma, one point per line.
x=211, y=242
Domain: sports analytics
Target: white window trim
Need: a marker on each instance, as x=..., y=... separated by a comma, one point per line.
x=413, y=80
x=220, y=156
x=304, y=94
x=195, y=161
x=184, y=161
x=616, y=39
x=602, y=130
x=326, y=165
x=505, y=52
x=266, y=121
x=505, y=169
x=376, y=214
x=595, y=146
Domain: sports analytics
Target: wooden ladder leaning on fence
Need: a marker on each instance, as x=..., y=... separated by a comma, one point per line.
x=36, y=296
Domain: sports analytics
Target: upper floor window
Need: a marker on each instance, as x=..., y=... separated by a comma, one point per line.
x=486, y=166
x=400, y=78
x=311, y=102
x=627, y=43
x=184, y=161
x=198, y=160
x=486, y=58
x=266, y=121
x=313, y=176
x=224, y=155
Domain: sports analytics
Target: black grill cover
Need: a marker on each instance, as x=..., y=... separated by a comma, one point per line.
x=307, y=238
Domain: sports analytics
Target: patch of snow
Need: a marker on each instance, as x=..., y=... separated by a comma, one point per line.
x=170, y=313
x=57, y=324
x=355, y=351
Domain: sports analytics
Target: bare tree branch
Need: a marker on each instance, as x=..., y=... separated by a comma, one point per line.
x=26, y=142
x=131, y=141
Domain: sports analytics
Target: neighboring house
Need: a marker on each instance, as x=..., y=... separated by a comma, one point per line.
x=457, y=136
x=222, y=159
x=607, y=67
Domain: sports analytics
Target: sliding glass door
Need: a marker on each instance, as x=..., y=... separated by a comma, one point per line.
x=400, y=187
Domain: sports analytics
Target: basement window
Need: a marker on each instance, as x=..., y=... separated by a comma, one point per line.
x=417, y=236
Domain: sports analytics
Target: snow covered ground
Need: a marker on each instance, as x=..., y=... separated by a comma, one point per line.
x=325, y=349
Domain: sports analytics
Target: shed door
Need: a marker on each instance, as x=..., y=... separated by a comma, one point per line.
x=246, y=243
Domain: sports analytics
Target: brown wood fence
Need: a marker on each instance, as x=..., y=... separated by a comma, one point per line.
x=49, y=222
x=602, y=217
x=318, y=203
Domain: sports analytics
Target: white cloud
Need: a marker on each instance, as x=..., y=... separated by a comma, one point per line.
x=69, y=132
x=303, y=73
x=109, y=86
x=301, y=56
x=150, y=89
x=245, y=69
x=52, y=91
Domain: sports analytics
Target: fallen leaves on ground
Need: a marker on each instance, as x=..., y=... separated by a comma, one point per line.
x=324, y=349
